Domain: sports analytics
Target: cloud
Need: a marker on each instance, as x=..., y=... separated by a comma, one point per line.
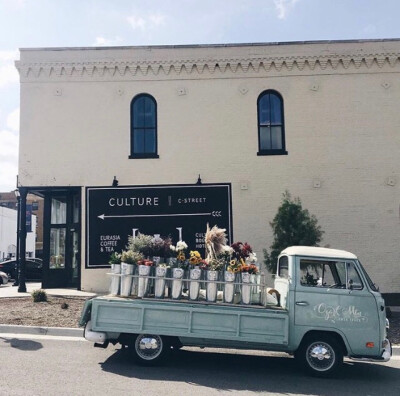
x=102, y=41
x=8, y=159
x=13, y=120
x=283, y=7
x=146, y=22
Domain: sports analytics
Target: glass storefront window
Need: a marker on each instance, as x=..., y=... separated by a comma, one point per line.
x=58, y=210
x=57, y=248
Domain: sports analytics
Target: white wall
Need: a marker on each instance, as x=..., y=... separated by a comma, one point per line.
x=341, y=117
x=8, y=234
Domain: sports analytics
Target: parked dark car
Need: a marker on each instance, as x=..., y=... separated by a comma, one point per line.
x=33, y=269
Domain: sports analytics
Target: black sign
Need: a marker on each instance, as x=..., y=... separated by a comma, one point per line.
x=181, y=212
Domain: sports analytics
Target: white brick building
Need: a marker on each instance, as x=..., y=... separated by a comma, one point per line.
x=214, y=110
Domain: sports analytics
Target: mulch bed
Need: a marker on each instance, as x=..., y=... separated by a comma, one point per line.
x=23, y=311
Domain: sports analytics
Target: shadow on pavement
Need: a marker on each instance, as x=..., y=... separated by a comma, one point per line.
x=23, y=345
x=259, y=374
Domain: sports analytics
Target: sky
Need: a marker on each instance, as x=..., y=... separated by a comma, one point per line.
x=85, y=23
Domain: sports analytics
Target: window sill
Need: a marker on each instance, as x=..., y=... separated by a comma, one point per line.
x=272, y=152
x=142, y=156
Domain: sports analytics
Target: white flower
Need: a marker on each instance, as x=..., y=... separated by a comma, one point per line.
x=227, y=249
x=172, y=247
x=253, y=258
x=181, y=245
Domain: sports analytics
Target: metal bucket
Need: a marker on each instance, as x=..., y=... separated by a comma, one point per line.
x=177, y=274
x=115, y=279
x=159, y=287
x=144, y=272
x=126, y=281
x=194, y=287
x=212, y=287
x=246, y=288
x=229, y=287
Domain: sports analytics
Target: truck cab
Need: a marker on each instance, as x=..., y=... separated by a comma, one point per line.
x=330, y=297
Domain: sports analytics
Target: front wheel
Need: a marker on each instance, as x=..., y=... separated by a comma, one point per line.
x=149, y=349
x=321, y=355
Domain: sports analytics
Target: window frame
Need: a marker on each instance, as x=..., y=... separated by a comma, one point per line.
x=144, y=155
x=328, y=261
x=281, y=151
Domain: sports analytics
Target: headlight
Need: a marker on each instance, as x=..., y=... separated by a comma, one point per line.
x=387, y=324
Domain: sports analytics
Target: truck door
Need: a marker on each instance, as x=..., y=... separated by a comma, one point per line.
x=330, y=295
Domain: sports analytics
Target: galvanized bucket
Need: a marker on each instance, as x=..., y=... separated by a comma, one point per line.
x=246, y=288
x=159, y=287
x=212, y=287
x=115, y=279
x=126, y=281
x=144, y=272
x=229, y=287
x=177, y=274
x=194, y=288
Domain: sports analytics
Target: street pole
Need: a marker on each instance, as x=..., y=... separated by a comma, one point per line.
x=16, y=280
x=22, y=285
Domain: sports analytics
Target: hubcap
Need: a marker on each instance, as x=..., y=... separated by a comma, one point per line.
x=148, y=347
x=320, y=356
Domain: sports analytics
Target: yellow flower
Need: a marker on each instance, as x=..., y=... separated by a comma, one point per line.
x=195, y=253
x=193, y=260
x=181, y=256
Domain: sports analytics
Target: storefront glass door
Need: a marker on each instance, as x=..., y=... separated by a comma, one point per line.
x=62, y=239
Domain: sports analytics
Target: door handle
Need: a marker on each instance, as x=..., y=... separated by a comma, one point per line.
x=302, y=303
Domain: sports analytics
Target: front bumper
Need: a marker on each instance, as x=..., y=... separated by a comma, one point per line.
x=384, y=357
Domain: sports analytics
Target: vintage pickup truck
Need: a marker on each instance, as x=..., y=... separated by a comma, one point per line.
x=328, y=308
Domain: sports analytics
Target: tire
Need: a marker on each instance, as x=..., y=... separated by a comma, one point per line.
x=149, y=349
x=321, y=355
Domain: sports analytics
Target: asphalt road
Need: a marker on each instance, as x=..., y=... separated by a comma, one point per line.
x=40, y=365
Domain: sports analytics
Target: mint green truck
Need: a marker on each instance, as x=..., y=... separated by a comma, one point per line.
x=327, y=308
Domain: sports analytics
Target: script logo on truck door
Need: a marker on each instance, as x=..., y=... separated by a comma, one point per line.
x=182, y=212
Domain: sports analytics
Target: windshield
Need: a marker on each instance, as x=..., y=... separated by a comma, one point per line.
x=371, y=284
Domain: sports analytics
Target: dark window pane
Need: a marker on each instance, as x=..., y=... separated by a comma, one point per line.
x=264, y=110
x=275, y=103
x=150, y=113
x=138, y=141
x=265, y=138
x=150, y=141
x=276, y=137
x=139, y=112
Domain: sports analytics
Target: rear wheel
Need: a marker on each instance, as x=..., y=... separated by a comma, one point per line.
x=149, y=349
x=321, y=355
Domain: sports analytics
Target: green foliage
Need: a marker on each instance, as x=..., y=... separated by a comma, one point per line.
x=142, y=244
x=131, y=257
x=292, y=226
x=39, y=295
x=115, y=258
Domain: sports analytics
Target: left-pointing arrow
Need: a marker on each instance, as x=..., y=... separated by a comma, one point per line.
x=101, y=217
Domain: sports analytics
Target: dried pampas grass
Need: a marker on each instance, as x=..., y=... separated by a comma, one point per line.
x=215, y=240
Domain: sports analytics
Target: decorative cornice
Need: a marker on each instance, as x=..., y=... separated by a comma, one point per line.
x=136, y=69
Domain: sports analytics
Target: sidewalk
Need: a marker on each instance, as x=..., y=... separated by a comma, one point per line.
x=9, y=290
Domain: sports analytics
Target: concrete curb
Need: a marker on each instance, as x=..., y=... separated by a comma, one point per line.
x=36, y=330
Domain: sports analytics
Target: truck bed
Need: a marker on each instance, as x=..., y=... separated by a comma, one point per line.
x=218, y=321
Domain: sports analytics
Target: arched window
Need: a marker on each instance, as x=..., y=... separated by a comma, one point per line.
x=143, y=127
x=271, y=128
